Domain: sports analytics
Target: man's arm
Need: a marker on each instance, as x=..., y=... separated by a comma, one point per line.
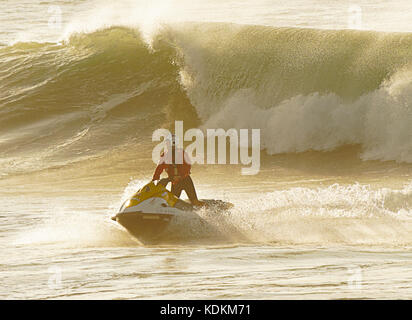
x=186, y=165
x=158, y=171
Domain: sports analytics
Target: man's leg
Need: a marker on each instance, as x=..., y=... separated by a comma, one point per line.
x=177, y=189
x=187, y=185
x=164, y=182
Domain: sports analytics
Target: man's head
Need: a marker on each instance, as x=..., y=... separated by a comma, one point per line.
x=172, y=141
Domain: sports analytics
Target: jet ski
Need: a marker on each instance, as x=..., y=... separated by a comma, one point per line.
x=150, y=210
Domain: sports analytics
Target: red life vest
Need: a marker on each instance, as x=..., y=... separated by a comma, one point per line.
x=173, y=170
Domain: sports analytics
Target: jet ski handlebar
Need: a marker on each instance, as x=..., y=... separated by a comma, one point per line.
x=164, y=181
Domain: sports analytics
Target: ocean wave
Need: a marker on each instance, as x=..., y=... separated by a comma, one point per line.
x=306, y=89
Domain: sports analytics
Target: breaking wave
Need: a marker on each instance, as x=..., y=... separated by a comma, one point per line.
x=305, y=89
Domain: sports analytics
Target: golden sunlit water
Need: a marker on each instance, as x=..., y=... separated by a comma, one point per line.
x=83, y=85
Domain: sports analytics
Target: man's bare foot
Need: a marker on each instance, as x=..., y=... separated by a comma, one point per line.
x=199, y=203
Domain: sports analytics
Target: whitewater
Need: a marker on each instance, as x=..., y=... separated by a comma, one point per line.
x=81, y=94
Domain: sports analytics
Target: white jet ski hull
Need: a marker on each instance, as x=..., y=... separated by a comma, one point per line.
x=148, y=213
x=147, y=220
x=146, y=227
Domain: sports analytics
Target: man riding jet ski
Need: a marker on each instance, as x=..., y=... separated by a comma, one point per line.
x=179, y=174
x=148, y=212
